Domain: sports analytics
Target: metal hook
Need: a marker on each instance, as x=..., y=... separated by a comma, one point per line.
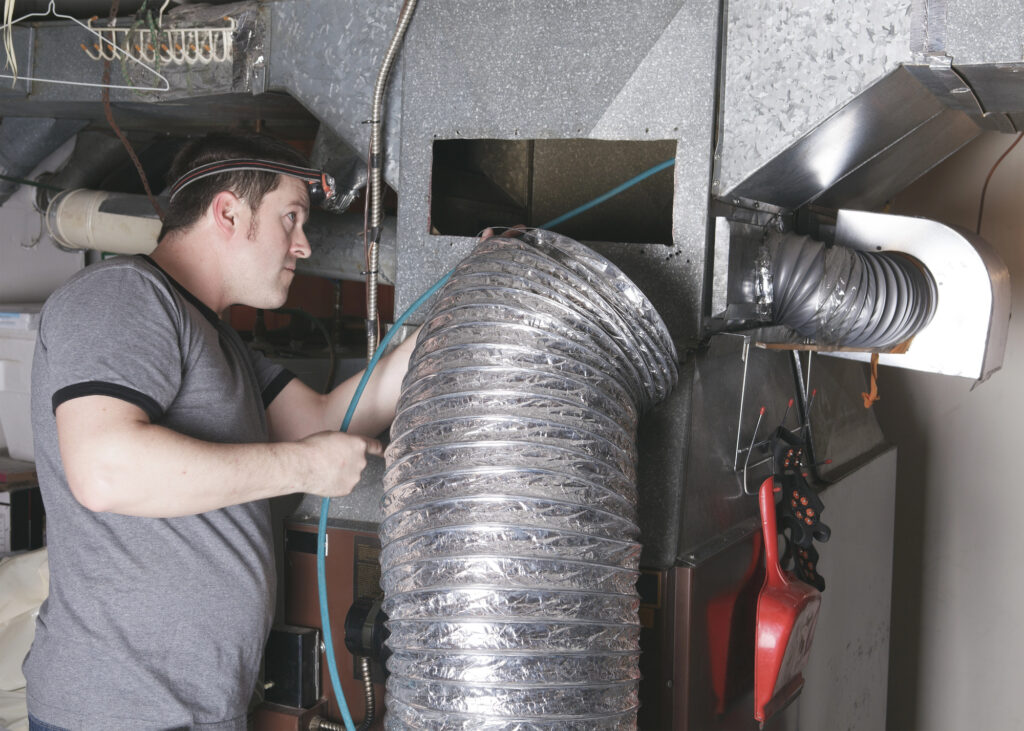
x=743, y=396
x=750, y=449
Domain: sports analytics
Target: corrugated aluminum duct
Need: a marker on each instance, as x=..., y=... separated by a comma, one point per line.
x=509, y=535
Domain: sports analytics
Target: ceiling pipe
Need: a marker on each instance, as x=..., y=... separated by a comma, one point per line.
x=126, y=224
x=95, y=219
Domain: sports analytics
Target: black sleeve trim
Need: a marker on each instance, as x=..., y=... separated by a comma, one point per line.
x=276, y=386
x=101, y=388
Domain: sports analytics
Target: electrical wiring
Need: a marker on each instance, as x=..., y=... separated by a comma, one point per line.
x=34, y=183
x=109, y=113
x=12, y=59
x=984, y=188
x=374, y=184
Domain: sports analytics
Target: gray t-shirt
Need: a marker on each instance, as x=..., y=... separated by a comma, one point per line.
x=150, y=623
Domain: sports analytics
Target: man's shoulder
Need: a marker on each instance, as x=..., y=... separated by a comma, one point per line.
x=108, y=278
x=116, y=267
x=125, y=287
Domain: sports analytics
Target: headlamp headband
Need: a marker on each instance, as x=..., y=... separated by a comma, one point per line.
x=321, y=185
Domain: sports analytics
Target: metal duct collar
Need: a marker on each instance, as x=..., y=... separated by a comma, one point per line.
x=967, y=335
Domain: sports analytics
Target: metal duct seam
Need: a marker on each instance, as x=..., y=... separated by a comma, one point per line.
x=843, y=297
x=509, y=538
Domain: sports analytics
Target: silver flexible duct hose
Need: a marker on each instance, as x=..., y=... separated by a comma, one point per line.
x=844, y=297
x=509, y=538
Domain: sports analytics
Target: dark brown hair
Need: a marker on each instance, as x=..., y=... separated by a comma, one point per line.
x=191, y=202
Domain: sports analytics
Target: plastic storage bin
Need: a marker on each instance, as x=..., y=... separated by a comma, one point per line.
x=18, y=326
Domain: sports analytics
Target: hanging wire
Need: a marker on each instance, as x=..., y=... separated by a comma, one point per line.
x=109, y=113
x=12, y=60
x=25, y=181
x=984, y=188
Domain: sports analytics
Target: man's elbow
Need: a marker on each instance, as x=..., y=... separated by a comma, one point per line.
x=93, y=493
x=93, y=482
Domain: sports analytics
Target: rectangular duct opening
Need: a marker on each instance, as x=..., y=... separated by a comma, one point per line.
x=484, y=182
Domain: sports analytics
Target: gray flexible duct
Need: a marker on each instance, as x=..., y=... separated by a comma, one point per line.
x=844, y=297
x=509, y=539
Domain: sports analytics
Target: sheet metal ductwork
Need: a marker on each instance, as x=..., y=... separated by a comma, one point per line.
x=25, y=142
x=510, y=542
x=902, y=287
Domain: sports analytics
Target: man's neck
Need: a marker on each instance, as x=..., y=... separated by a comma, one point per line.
x=196, y=270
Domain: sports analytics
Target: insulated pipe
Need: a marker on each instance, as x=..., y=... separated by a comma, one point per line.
x=126, y=224
x=509, y=535
x=97, y=219
x=843, y=297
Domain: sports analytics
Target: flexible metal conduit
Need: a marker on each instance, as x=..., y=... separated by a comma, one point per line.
x=844, y=297
x=509, y=537
x=375, y=191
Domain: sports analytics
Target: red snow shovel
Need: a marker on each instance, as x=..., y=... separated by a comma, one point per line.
x=787, y=611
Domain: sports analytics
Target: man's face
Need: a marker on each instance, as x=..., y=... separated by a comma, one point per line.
x=276, y=241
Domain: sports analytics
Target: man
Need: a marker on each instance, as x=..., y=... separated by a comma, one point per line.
x=160, y=436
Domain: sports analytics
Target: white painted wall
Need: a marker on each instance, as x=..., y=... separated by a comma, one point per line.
x=957, y=644
x=31, y=265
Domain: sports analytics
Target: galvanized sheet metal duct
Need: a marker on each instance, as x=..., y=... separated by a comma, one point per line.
x=509, y=534
x=25, y=142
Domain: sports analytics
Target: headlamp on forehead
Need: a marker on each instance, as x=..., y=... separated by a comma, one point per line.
x=322, y=191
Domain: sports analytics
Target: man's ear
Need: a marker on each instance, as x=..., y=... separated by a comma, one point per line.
x=226, y=211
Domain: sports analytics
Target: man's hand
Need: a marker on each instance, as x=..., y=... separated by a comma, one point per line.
x=334, y=462
x=509, y=233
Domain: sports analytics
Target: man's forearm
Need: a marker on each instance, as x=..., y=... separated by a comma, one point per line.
x=151, y=471
x=116, y=461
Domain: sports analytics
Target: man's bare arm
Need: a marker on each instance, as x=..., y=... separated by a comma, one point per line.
x=299, y=410
x=117, y=461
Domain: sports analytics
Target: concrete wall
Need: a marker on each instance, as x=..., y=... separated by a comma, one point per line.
x=958, y=586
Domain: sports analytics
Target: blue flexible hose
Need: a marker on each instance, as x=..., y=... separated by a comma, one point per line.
x=610, y=194
x=321, y=538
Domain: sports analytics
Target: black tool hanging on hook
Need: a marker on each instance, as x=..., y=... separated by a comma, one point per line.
x=800, y=508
